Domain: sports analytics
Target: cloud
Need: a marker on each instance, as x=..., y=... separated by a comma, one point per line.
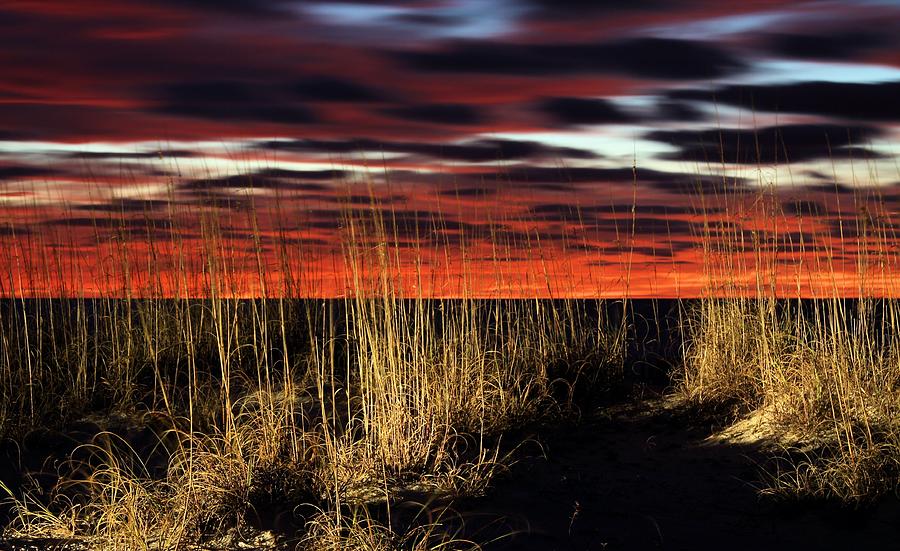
x=791, y=143
x=326, y=175
x=804, y=207
x=474, y=151
x=875, y=102
x=567, y=179
x=677, y=111
x=524, y=174
x=13, y=135
x=235, y=7
x=334, y=89
x=855, y=229
x=583, y=111
x=571, y=212
x=126, y=206
x=298, y=180
x=135, y=155
x=835, y=45
x=219, y=199
x=200, y=72
x=575, y=9
x=657, y=58
x=454, y=114
x=644, y=225
x=669, y=58
x=704, y=186
x=231, y=101
x=133, y=224
x=25, y=172
x=13, y=230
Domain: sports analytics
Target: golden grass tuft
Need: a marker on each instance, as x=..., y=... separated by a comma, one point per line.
x=818, y=380
x=273, y=415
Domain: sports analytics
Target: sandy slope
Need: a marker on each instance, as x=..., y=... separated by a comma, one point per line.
x=640, y=476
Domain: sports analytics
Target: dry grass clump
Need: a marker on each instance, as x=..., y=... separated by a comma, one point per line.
x=309, y=417
x=362, y=533
x=417, y=394
x=212, y=486
x=821, y=378
x=817, y=378
x=66, y=358
x=396, y=397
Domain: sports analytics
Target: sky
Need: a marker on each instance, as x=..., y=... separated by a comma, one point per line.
x=462, y=147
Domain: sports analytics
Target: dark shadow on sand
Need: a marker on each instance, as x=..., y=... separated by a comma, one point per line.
x=640, y=476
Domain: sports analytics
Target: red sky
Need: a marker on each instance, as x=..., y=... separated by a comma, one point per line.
x=513, y=148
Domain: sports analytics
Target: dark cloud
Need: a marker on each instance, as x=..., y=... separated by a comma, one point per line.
x=12, y=230
x=266, y=8
x=831, y=189
x=236, y=7
x=327, y=88
x=358, y=199
x=126, y=205
x=281, y=179
x=574, y=9
x=563, y=211
x=231, y=101
x=834, y=45
x=454, y=114
x=122, y=223
x=476, y=191
x=804, y=207
x=855, y=229
x=25, y=172
x=326, y=175
x=219, y=199
x=664, y=252
x=704, y=186
x=669, y=58
x=643, y=225
x=581, y=111
x=492, y=183
x=523, y=174
x=677, y=111
x=410, y=224
x=130, y=155
x=660, y=58
x=575, y=111
x=476, y=151
x=402, y=223
x=792, y=143
x=14, y=135
x=876, y=102
x=428, y=19
x=793, y=248
x=566, y=179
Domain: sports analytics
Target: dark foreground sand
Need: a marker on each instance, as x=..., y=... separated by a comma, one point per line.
x=636, y=476
x=645, y=477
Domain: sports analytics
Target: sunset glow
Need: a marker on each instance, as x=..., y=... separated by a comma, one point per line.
x=469, y=147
